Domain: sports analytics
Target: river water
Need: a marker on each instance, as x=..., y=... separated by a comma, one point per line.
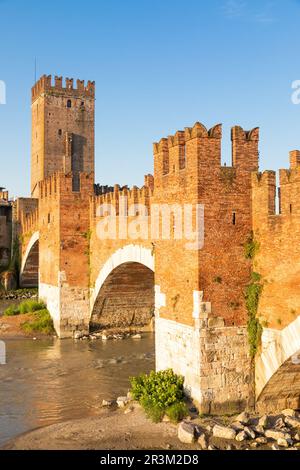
x=49, y=381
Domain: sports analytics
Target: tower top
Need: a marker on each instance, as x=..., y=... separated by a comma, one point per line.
x=66, y=87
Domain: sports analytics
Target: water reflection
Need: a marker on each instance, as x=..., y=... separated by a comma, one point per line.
x=50, y=381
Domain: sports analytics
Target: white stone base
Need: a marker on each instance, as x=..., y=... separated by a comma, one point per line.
x=177, y=347
x=69, y=308
x=51, y=296
x=213, y=359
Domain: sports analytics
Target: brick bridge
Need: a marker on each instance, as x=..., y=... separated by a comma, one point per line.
x=127, y=277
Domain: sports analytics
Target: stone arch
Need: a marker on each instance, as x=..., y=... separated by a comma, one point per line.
x=124, y=290
x=277, y=368
x=29, y=273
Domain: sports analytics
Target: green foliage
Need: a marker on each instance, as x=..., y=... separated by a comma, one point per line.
x=12, y=311
x=40, y=323
x=28, y=306
x=87, y=235
x=254, y=335
x=218, y=280
x=153, y=411
x=15, y=262
x=251, y=247
x=159, y=392
x=177, y=411
x=253, y=292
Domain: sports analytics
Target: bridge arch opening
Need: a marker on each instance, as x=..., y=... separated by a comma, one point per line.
x=282, y=391
x=125, y=299
x=29, y=275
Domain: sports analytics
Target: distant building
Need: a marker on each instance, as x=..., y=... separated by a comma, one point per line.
x=5, y=227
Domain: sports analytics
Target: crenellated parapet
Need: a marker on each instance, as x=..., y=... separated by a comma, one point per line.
x=30, y=222
x=199, y=149
x=264, y=191
x=123, y=198
x=60, y=184
x=46, y=85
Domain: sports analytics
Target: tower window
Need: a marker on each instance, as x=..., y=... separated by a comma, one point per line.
x=69, y=104
x=233, y=218
x=49, y=218
x=291, y=208
x=59, y=132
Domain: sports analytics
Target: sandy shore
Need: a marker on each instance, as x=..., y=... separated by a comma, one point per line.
x=111, y=430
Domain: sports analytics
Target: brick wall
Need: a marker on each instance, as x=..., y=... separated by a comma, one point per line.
x=278, y=235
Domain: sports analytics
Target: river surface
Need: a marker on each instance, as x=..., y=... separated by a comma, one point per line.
x=49, y=381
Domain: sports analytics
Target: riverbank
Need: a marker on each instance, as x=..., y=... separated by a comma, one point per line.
x=128, y=428
x=113, y=430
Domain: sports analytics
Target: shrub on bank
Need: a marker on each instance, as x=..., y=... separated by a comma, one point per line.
x=11, y=311
x=28, y=306
x=41, y=322
x=160, y=393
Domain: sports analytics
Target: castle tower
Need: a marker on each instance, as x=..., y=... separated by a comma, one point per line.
x=63, y=119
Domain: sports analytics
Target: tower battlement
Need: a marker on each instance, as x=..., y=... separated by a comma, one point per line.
x=61, y=184
x=60, y=86
x=264, y=193
x=198, y=146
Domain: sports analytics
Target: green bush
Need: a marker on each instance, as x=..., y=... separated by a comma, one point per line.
x=28, y=306
x=251, y=247
x=177, y=412
x=158, y=392
x=152, y=410
x=40, y=323
x=12, y=311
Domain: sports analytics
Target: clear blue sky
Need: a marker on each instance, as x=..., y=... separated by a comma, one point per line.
x=159, y=65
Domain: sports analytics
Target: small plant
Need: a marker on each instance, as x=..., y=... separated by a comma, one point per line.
x=279, y=321
x=158, y=393
x=218, y=280
x=12, y=311
x=28, y=306
x=177, y=412
x=293, y=312
x=251, y=247
x=252, y=296
x=40, y=323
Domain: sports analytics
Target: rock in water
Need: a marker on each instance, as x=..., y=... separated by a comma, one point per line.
x=224, y=432
x=186, y=432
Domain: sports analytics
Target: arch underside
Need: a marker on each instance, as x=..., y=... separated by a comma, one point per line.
x=126, y=298
x=283, y=389
x=29, y=276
